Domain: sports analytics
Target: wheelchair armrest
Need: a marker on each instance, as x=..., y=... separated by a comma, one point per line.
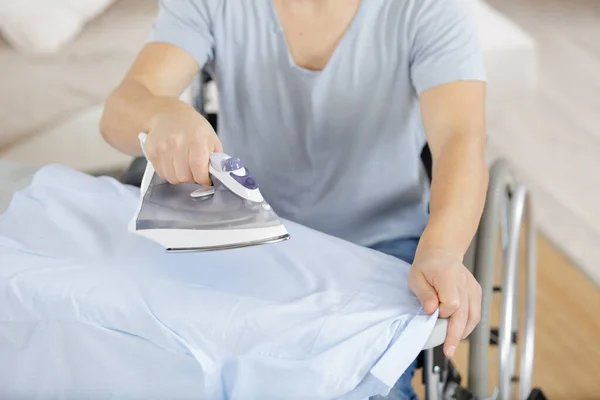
x=438, y=335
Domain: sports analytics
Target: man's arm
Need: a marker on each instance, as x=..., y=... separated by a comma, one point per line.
x=181, y=43
x=447, y=72
x=454, y=119
x=158, y=76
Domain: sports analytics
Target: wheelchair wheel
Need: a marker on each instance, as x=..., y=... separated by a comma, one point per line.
x=508, y=206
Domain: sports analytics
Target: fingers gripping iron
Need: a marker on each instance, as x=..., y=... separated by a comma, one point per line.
x=229, y=214
x=229, y=171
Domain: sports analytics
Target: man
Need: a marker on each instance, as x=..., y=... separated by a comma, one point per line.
x=329, y=103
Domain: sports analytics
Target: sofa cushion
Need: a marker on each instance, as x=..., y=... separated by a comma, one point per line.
x=41, y=26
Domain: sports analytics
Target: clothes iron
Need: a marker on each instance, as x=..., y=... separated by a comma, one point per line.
x=229, y=214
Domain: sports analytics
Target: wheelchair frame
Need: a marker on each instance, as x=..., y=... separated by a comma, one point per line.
x=508, y=205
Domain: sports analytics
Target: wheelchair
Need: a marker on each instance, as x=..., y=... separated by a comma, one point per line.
x=507, y=219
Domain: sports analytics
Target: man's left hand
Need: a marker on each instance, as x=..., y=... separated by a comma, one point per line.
x=439, y=279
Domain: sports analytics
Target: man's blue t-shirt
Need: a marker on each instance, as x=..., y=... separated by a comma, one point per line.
x=337, y=150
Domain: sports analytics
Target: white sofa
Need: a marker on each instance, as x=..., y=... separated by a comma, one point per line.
x=50, y=106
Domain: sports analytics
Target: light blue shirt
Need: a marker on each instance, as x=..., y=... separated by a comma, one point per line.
x=90, y=310
x=337, y=150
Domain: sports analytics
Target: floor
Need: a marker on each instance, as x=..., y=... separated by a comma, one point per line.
x=553, y=137
x=567, y=343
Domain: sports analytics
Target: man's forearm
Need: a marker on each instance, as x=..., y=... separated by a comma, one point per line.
x=153, y=84
x=459, y=185
x=127, y=112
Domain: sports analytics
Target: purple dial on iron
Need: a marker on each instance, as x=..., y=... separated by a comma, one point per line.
x=246, y=180
x=232, y=164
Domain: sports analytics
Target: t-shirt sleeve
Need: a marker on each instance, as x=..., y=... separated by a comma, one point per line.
x=187, y=25
x=446, y=46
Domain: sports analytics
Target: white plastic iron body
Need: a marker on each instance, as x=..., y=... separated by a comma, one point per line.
x=230, y=172
x=230, y=213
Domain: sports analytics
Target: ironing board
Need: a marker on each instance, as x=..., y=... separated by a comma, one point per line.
x=18, y=176
x=438, y=335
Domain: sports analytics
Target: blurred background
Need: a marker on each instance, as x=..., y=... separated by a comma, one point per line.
x=60, y=59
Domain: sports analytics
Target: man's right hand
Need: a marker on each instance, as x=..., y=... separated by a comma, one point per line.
x=180, y=142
